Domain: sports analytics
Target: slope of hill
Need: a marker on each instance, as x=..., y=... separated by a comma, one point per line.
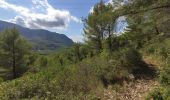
x=42, y=40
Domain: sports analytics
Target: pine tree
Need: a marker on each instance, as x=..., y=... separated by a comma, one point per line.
x=147, y=19
x=13, y=51
x=99, y=26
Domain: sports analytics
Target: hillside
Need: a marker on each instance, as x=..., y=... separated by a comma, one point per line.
x=132, y=65
x=42, y=40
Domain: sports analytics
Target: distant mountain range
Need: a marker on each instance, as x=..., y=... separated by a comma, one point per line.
x=42, y=40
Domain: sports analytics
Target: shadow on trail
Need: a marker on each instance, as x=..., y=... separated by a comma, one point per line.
x=146, y=71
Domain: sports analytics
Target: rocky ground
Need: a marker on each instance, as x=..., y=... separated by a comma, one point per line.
x=136, y=89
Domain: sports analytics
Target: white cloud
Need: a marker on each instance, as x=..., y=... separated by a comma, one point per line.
x=121, y=25
x=116, y=4
x=91, y=9
x=4, y=4
x=110, y=1
x=44, y=15
x=77, y=38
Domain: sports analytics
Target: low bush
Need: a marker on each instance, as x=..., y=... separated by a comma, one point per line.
x=161, y=50
x=131, y=59
x=114, y=67
x=62, y=83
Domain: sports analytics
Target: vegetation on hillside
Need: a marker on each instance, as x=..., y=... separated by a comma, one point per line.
x=42, y=41
x=106, y=59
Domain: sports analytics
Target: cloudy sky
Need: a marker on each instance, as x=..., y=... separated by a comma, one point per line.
x=61, y=16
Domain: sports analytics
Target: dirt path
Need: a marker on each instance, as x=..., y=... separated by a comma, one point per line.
x=136, y=90
x=133, y=91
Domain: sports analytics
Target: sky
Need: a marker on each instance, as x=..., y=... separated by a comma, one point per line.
x=60, y=16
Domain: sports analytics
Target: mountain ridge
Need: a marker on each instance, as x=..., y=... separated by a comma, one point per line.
x=41, y=39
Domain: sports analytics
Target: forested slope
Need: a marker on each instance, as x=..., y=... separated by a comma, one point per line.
x=134, y=65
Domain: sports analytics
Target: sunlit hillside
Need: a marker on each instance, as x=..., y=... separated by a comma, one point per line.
x=121, y=50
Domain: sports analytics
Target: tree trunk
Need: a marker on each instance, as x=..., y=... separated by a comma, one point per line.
x=13, y=59
x=14, y=69
x=110, y=41
x=98, y=45
x=157, y=30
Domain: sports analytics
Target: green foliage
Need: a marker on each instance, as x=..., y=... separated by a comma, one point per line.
x=32, y=59
x=155, y=95
x=161, y=50
x=79, y=72
x=72, y=81
x=1, y=79
x=147, y=20
x=164, y=75
x=99, y=26
x=62, y=83
x=43, y=61
x=160, y=93
x=148, y=29
x=115, y=66
x=131, y=58
x=14, y=51
x=72, y=55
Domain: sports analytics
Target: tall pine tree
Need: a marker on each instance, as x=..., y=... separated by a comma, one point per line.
x=13, y=51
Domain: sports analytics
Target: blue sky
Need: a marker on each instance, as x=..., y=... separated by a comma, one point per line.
x=61, y=16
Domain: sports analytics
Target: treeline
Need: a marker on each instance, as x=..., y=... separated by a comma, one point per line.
x=106, y=58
